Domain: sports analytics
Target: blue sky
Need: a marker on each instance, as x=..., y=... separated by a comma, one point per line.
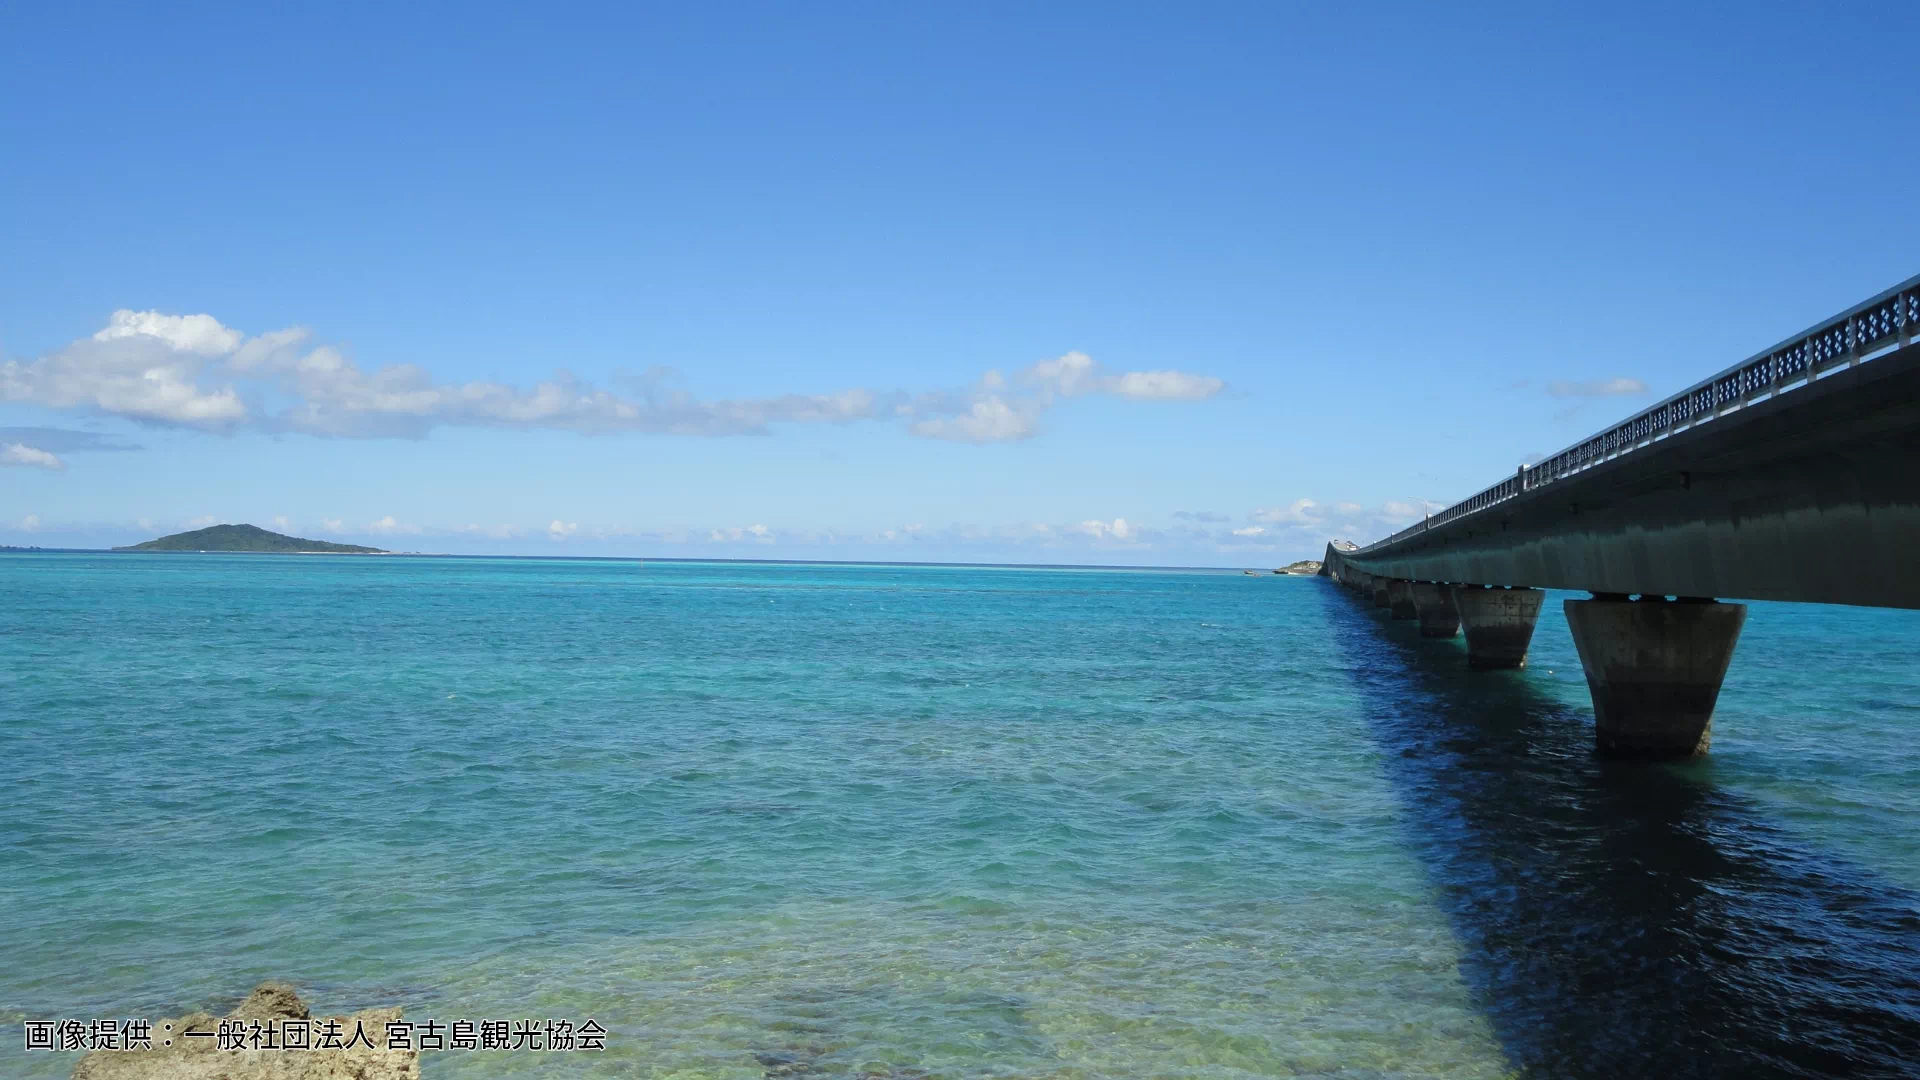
x=994, y=282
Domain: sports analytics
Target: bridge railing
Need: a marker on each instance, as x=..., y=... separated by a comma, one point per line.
x=1888, y=321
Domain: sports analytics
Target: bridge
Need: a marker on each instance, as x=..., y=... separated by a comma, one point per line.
x=1792, y=475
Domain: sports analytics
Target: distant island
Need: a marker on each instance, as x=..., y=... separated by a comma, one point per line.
x=246, y=538
x=1303, y=568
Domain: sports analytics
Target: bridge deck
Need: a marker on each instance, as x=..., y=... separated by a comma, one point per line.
x=1809, y=495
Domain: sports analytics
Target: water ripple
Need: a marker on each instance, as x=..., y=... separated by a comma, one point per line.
x=932, y=822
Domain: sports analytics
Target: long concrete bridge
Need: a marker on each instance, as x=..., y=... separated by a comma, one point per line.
x=1792, y=475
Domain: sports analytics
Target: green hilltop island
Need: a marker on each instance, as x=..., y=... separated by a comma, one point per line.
x=247, y=538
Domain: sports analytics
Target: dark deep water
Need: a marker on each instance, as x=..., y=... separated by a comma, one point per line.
x=1625, y=919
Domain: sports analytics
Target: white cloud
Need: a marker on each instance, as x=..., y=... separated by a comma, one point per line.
x=201, y=522
x=1616, y=387
x=1305, y=525
x=560, y=530
x=22, y=454
x=999, y=410
x=758, y=534
x=1117, y=529
x=126, y=371
x=988, y=420
x=200, y=334
x=280, y=522
x=1299, y=512
x=191, y=371
x=1094, y=533
x=30, y=523
x=1166, y=386
x=1076, y=373
x=387, y=526
x=1403, y=511
x=1066, y=375
x=332, y=525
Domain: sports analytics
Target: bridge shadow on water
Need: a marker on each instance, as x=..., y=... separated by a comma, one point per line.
x=1626, y=919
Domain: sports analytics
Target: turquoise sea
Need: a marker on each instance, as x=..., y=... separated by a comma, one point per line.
x=834, y=820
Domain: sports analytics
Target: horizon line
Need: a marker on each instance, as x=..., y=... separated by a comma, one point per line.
x=15, y=549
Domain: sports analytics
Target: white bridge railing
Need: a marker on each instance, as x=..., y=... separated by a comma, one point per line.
x=1888, y=321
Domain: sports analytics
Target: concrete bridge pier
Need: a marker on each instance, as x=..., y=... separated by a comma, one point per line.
x=1654, y=667
x=1400, y=599
x=1499, y=624
x=1433, y=605
x=1378, y=586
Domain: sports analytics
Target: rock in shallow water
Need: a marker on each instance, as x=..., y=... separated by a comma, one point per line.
x=272, y=1001
x=201, y=1059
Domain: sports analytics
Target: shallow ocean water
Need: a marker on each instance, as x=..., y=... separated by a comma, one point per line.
x=951, y=822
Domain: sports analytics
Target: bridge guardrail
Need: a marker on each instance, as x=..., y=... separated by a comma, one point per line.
x=1863, y=331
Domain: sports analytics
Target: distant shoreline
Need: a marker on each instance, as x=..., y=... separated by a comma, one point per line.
x=1238, y=568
